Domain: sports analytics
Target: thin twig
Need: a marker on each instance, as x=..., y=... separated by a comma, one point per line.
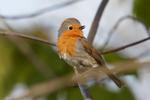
x=40, y=12
x=27, y=37
x=112, y=31
x=124, y=47
x=96, y=20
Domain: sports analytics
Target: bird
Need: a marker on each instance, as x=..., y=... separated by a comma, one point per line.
x=75, y=49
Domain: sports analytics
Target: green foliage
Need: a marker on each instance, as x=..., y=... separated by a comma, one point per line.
x=101, y=93
x=74, y=94
x=142, y=10
x=115, y=57
x=6, y=52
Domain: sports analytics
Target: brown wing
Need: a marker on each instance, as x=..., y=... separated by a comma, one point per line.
x=94, y=53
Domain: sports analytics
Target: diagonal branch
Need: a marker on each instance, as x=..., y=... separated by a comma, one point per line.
x=45, y=88
x=111, y=32
x=40, y=12
x=27, y=37
x=96, y=20
x=84, y=88
x=124, y=47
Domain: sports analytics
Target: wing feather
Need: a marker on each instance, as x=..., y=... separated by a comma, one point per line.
x=92, y=51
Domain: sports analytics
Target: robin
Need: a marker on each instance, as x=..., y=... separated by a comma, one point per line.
x=75, y=49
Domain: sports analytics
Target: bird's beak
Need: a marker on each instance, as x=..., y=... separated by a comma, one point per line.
x=81, y=27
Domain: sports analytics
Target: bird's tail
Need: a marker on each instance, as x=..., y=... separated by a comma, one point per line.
x=114, y=78
x=118, y=82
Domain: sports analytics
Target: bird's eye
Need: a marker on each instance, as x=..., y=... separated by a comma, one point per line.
x=70, y=27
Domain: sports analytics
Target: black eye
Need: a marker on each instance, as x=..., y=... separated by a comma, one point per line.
x=70, y=27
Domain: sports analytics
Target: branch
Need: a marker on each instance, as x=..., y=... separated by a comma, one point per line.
x=45, y=88
x=110, y=34
x=124, y=47
x=40, y=12
x=96, y=20
x=27, y=37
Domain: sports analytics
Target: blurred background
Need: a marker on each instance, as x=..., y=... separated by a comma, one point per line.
x=25, y=63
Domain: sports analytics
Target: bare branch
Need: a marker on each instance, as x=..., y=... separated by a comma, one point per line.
x=120, y=68
x=40, y=12
x=47, y=87
x=124, y=47
x=111, y=32
x=27, y=37
x=96, y=20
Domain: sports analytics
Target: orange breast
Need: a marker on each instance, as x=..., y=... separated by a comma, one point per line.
x=67, y=43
